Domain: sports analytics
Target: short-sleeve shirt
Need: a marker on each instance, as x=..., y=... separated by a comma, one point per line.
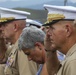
x=18, y=63
x=68, y=65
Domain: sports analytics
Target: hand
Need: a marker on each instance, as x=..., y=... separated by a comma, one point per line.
x=48, y=45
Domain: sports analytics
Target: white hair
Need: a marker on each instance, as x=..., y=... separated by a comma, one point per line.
x=30, y=36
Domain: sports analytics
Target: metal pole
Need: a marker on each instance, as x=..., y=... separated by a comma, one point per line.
x=65, y=2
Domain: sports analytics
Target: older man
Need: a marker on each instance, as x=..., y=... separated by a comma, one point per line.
x=62, y=35
x=31, y=42
x=3, y=49
x=13, y=22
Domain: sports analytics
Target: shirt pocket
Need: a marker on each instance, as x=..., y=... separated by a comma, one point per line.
x=10, y=71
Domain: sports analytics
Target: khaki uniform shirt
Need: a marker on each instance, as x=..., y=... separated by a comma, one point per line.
x=68, y=66
x=18, y=64
x=9, y=48
x=2, y=66
x=2, y=69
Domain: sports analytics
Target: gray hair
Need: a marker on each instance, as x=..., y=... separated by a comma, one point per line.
x=29, y=36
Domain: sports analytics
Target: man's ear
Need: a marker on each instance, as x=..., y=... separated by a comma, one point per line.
x=38, y=44
x=69, y=29
x=15, y=27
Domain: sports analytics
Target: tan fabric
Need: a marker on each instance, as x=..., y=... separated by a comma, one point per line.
x=2, y=66
x=18, y=64
x=9, y=48
x=2, y=69
x=69, y=64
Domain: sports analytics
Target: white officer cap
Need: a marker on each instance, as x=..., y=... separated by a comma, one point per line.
x=30, y=22
x=8, y=15
x=56, y=13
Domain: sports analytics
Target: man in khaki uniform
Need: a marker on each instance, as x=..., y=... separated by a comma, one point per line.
x=62, y=35
x=13, y=23
x=2, y=55
x=3, y=49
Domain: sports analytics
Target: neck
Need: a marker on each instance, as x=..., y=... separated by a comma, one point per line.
x=43, y=56
x=65, y=48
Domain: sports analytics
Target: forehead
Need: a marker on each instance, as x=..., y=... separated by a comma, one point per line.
x=5, y=24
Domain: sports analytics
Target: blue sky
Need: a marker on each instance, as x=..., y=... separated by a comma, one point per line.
x=34, y=1
x=27, y=2
x=13, y=3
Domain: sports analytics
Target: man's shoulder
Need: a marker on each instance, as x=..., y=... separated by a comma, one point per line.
x=68, y=60
x=72, y=57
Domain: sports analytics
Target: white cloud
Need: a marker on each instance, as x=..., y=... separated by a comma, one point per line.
x=73, y=1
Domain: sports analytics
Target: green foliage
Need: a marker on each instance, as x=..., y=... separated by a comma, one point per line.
x=39, y=15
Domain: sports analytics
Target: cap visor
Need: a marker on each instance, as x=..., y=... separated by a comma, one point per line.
x=55, y=21
x=1, y=23
x=51, y=23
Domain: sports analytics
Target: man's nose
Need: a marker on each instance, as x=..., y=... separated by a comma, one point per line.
x=49, y=32
x=0, y=28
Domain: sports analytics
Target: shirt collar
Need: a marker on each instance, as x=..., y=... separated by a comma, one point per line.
x=71, y=50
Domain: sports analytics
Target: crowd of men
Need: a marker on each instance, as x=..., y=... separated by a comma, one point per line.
x=28, y=47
